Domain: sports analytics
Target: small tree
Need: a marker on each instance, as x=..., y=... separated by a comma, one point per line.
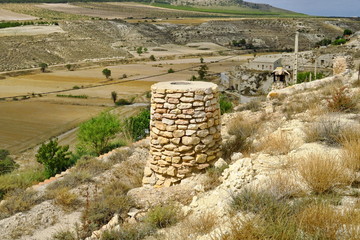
x=347, y=32
x=55, y=158
x=139, y=50
x=106, y=72
x=201, y=60
x=114, y=96
x=98, y=131
x=43, y=67
x=7, y=164
x=202, y=71
x=171, y=70
x=152, y=58
x=145, y=50
x=70, y=67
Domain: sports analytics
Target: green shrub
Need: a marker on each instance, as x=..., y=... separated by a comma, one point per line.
x=97, y=132
x=339, y=41
x=7, y=164
x=163, y=216
x=106, y=72
x=152, y=58
x=122, y=102
x=72, y=96
x=225, y=105
x=55, y=158
x=138, y=126
x=171, y=70
x=347, y=32
x=305, y=76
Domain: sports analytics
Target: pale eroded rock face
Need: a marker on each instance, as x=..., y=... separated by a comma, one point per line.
x=185, y=131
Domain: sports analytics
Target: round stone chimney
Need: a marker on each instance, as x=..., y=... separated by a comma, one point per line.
x=185, y=131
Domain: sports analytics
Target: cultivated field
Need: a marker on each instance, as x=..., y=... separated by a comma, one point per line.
x=26, y=123
x=30, y=30
x=119, y=10
x=6, y=15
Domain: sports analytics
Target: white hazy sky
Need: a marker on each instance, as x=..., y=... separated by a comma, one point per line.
x=340, y=8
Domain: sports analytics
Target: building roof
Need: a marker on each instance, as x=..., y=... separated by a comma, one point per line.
x=280, y=71
x=266, y=59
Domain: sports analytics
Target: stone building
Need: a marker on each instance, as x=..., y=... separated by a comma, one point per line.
x=265, y=63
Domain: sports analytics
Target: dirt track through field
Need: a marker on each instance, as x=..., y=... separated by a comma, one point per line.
x=6, y=15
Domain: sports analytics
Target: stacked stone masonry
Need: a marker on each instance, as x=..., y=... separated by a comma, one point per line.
x=184, y=131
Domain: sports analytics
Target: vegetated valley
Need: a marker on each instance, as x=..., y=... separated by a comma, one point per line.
x=75, y=94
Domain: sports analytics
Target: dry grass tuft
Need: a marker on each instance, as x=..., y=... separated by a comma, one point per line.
x=328, y=131
x=351, y=154
x=323, y=172
x=276, y=144
x=163, y=216
x=202, y=224
x=241, y=130
x=282, y=185
x=64, y=198
x=213, y=175
x=320, y=220
x=340, y=101
x=18, y=201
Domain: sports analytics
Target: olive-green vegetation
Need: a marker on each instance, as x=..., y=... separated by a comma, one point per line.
x=97, y=132
x=7, y=164
x=138, y=126
x=55, y=158
x=225, y=104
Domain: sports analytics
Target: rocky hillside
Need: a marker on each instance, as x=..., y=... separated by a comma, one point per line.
x=290, y=168
x=83, y=40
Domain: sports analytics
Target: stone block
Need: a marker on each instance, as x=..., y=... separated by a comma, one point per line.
x=163, y=140
x=190, y=132
x=185, y=148
x=178, y=133
x=171, y=128
x=190, y=140
x=198, y=104
x=159, y=100
x=170, y=147
x=160, y=125
x=202, y=133
x=174, y=95
x=168, y=121
x=169, y=106
x=175, y=140
x=173, y=100
x=201, y=158
x=184, y=106
x=187, y=99
x=181, y=122
x=207, y=140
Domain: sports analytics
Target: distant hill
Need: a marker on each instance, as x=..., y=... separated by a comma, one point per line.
x=227, y=4
x=238, y=3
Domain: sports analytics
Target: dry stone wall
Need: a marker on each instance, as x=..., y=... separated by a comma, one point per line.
x=184, y=131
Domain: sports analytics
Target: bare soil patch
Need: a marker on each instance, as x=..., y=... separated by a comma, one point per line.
x=6, y=15
x=30, y=30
